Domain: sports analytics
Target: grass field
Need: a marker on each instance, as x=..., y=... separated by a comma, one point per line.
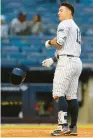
x=40, y=130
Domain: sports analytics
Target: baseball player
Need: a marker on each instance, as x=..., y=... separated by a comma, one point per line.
x=68, y=69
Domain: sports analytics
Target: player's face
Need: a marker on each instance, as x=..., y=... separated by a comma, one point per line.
x=63, y=13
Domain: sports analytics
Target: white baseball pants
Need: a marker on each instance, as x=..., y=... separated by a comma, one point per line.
x=66, y=77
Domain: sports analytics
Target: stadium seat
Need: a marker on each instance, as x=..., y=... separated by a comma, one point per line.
x=10, y=48
x=3, y=55
x=29, y=62
x=19, y=43
x=30, y=49
x=16, y=55
x=49, y=52
x=37, y=56
x=8, y=62
x=5, y=43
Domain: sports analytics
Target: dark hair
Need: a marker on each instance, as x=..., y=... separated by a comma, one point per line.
x=69, y=6
x=22, y=14
x=39, y=18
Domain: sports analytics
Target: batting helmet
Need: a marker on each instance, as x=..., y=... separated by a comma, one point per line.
x=17, y=76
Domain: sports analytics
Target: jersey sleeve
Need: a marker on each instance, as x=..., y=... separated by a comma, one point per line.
x=62, y=34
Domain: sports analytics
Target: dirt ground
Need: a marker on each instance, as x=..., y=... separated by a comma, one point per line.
x=40, y=132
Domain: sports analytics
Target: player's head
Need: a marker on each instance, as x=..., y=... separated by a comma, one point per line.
x=22, y=16
x=66, y=11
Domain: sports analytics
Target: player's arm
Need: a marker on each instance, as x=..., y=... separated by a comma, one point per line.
x=48, y=62
x=58, y=41
x=53, y=42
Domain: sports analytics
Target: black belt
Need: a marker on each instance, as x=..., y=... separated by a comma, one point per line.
x=66, y=55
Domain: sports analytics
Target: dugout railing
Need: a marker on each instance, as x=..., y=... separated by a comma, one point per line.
x=27, y=103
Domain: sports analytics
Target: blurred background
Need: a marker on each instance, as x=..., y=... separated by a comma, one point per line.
x=25, y=26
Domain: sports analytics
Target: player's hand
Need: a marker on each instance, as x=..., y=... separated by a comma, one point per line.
x=47, y=45
x=47, y=62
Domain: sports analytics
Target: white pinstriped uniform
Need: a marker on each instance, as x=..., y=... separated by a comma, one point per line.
x=68, y=69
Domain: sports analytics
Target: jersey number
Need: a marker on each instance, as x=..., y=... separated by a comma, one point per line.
x=78, y=40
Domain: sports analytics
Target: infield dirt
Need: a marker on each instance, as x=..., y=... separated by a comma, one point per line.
x=39, y=132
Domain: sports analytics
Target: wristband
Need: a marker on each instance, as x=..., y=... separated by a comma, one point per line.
x=54, y=59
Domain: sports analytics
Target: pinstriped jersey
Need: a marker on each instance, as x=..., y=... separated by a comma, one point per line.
x=69, y=37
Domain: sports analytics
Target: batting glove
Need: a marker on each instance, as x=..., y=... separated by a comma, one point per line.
x=47, y=62
x=47, y=45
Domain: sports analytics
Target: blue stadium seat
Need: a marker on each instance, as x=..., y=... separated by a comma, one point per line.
x=49, y=52
x=10, y=49
x=36, y=56
x=20, y=43
x=5, y=43
x=3, y=55
x=16, y=55
x=87, y=61
x=35, y=42
x=29, y=62
x=8, y=62
x=30, y=49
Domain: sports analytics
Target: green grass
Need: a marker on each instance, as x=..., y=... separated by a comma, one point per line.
x=41, y=126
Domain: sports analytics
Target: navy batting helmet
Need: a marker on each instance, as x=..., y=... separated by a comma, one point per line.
x=17, y=76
